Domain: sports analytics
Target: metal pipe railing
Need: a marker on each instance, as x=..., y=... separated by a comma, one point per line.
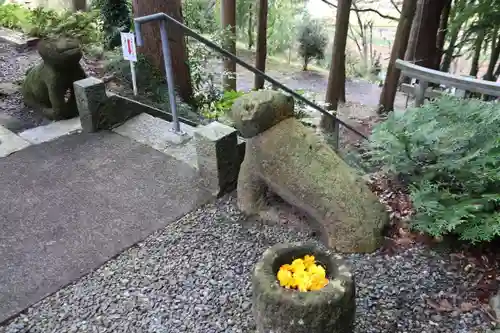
x=164, y=17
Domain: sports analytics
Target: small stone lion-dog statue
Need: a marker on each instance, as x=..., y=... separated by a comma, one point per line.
x=291, y=160
x=48, y=86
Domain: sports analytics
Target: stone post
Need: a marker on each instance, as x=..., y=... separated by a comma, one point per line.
x=217, y=155
x=90, y=94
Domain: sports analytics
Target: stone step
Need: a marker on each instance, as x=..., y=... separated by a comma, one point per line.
x=51, y=131
x=157, y=134
x=10, y=142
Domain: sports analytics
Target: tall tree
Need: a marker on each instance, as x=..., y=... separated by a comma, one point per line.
x=152, y=44
x=411, y=49
x=494, y=55
x=426, y=49
x=388, y=94
x=456, y=22
x=442, y=31
x=478, y=46
x=260, y=59
x=228, y=19
x=250, y=26
x=335, y=90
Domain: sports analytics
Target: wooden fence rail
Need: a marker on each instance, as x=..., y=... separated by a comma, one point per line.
x=426, y=75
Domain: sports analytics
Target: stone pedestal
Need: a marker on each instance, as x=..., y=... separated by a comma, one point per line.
x=280, y=310
x=217, y=154
x=90, y=94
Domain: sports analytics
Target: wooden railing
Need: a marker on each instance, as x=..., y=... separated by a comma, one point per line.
x=426, y=75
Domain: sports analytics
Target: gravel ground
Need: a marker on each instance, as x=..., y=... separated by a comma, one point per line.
x=13, y=66
x=194, y=276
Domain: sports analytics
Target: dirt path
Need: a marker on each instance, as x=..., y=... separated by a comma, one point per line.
x=315, y=81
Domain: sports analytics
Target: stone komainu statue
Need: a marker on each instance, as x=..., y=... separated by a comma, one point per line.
x=290, y=159
x=48, y=86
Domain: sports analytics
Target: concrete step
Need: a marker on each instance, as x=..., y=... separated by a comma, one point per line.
x=157, y=134
x=10, y=142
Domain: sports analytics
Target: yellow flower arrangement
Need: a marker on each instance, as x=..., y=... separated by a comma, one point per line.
x=303, y=274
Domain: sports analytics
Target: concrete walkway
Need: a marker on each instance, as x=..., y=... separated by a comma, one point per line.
x=69, y=205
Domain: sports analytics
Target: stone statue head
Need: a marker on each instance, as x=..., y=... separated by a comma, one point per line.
x=260, y=110
x=61, y=52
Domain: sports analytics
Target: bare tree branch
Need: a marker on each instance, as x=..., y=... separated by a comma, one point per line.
x=365, y=10
x=393, y=2
x=353, y=37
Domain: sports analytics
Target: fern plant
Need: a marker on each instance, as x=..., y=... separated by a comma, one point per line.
x=449, y=153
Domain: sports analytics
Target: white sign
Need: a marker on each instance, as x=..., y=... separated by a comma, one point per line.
x=128, y=46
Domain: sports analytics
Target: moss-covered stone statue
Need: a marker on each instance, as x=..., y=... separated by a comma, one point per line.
x=48, y=86
x=284, y=155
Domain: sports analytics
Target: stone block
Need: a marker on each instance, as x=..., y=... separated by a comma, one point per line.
x=217, y=155
x=276, y=309
x=90, y=95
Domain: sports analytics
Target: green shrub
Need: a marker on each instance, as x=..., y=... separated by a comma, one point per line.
x=448, y=152
x=199, y=15
x=81, y=25
x=13, y=16
x=312, y=41
x=116, y=17
x=41, y=22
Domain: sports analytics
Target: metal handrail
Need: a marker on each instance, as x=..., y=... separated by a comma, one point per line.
x=162, y=16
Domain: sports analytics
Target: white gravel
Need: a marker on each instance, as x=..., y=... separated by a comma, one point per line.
x=194, y=276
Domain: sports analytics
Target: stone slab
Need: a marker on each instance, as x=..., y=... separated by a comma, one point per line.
x=69, y=205
x=20, y=41
x=52, y=131
x=157, y=133
x=10, y=142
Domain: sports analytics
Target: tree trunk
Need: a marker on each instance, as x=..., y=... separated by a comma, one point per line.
x=448, y=54
x=261, y=52
x=250, y=27
x=495, y=54
x=457, y=20
x=152, y=48
x=414, y=32
x=398, y=51
x=474, y=68
x=426, y=44
x=497, y=72
x=335, y=90
x=441, y=36
x=411, y=49
x=228, y=19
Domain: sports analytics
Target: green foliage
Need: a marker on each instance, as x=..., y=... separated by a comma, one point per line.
x=148, y=79
x=219, y=107
x=449, y=153
x=312, y=41
x=199, y=15
x=116, y=17
x=151, y=84
x=13, y=16
x=284, y=16
x=42, y=22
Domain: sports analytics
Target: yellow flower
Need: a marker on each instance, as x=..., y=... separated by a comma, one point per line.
x=309, y=261
x=317, y=270
x=298, y=265
x=303, y=280
x=285, y=278
x=303, y=274
x=317, y=283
